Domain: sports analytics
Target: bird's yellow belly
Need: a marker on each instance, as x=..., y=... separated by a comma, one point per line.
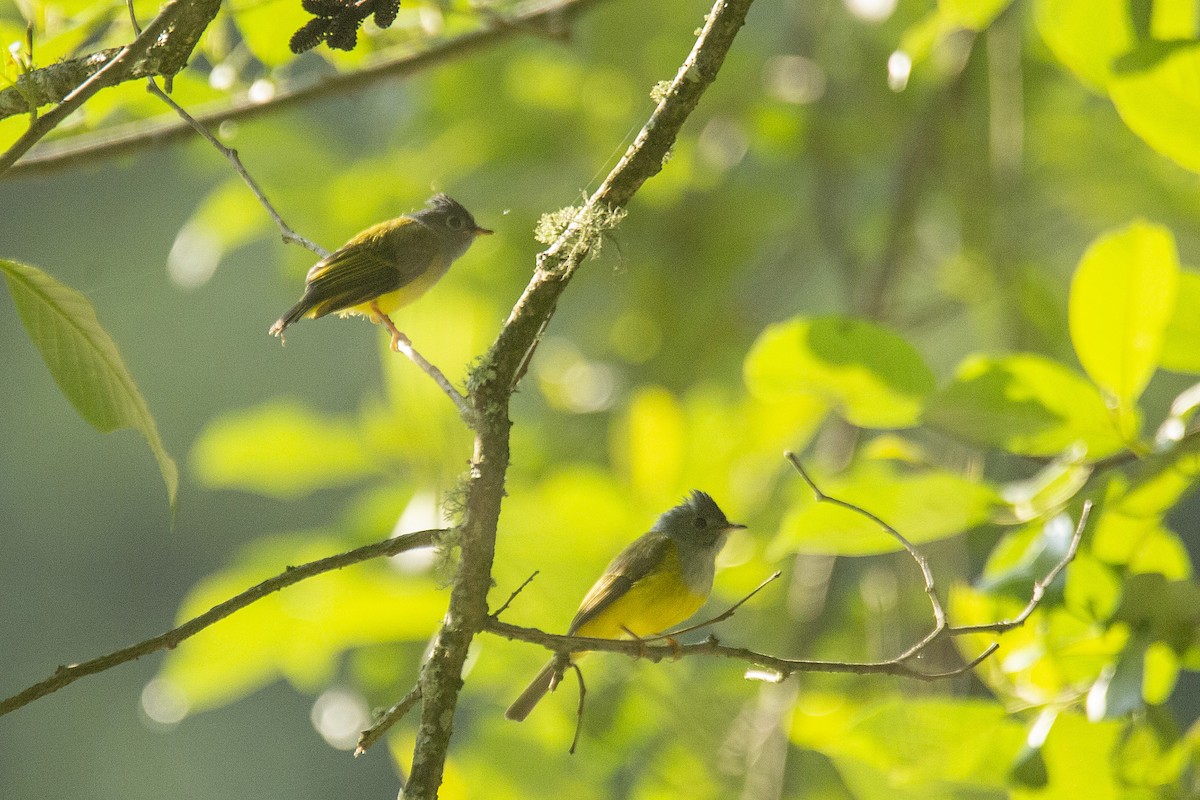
x=651, y=605
x=395, y=300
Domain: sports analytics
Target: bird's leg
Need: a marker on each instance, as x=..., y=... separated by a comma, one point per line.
x=638, y=639
x=676, y=648
x=397, y=336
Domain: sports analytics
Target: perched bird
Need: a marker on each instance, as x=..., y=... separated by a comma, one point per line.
x=659, y=580
x=387, y=266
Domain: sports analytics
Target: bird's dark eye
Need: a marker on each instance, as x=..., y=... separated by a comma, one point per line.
x=456, y=223
x=700, y=522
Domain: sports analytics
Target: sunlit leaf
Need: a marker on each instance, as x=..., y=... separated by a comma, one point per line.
x=946, y=743
x=281, y=449
x=923, y=506
x=972, y=14
x=870, y=375
x=1122, y=296
x=1118, y=691
x=1046, y=492
x=1160, y=101
x=1026, y=404
x=1086, y=37
x=84, y=360
x=300, y=632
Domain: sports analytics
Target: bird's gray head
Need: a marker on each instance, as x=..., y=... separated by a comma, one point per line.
x=698, y=519
x=448, y=218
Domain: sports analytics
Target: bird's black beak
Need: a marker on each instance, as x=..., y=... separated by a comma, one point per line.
x=482, y=231
x=734, y=526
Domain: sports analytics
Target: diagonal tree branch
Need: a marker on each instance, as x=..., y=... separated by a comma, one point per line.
x=494, y=381
x=533, y=18
x=170, y=37
x=66, y=675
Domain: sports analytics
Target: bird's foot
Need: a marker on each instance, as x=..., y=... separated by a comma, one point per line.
x=386, y=321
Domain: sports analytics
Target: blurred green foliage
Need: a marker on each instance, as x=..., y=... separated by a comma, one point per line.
x=935, y=246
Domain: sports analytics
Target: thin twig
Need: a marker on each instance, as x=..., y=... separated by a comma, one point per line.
x=387, y=719
x=513, y=596
x=460, y=400
x=1039, y=588
x=289, y=235
x=724, y=615
x=939, y=614
x=66, y=675
x=579, y=710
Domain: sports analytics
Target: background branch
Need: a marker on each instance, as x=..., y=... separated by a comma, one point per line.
x=528, y=19
x=172, y=34
x=66, y=675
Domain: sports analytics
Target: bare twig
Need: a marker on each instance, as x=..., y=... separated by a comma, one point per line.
x=579, y=710
x=387, y=719
x=513, y=596
x=65, y=675
x=405, y=347
x=134, y=136
x=939, y=613
x=289, y=235
x=724, y=615
x=1039, y=588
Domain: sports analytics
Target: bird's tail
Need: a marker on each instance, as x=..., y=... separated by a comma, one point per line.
x=533, y=693
x=291, y=315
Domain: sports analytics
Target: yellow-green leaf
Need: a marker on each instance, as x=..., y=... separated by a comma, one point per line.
x=1086, y=37
x=870, y=375
x=84, y=360
x=1122, y=297
x=1026, y=404
x=281, y=449
x=1160, y=101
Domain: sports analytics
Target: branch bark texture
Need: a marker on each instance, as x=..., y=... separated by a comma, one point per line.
x=545, y=18
x=164, y=47
x=493, y=382
x=68, y=674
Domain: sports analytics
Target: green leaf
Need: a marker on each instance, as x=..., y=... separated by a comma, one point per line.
x=923, y=506
x=1118, y=691
x=281, y=449
x=1161, y=102
x=1046, y=492
x=1181, y=341
x=84, y=360
x=298, y=633
x=870, y=375
x=1122, y=297
x=1025, y=404
x=949, y=747
x=973, y=15
x=1086, y=37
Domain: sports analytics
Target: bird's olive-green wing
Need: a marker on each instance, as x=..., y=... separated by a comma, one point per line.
x=630, y=566
x=381, y=259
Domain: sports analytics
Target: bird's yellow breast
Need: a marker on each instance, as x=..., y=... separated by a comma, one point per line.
x=394, y=300
x=653, y=604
